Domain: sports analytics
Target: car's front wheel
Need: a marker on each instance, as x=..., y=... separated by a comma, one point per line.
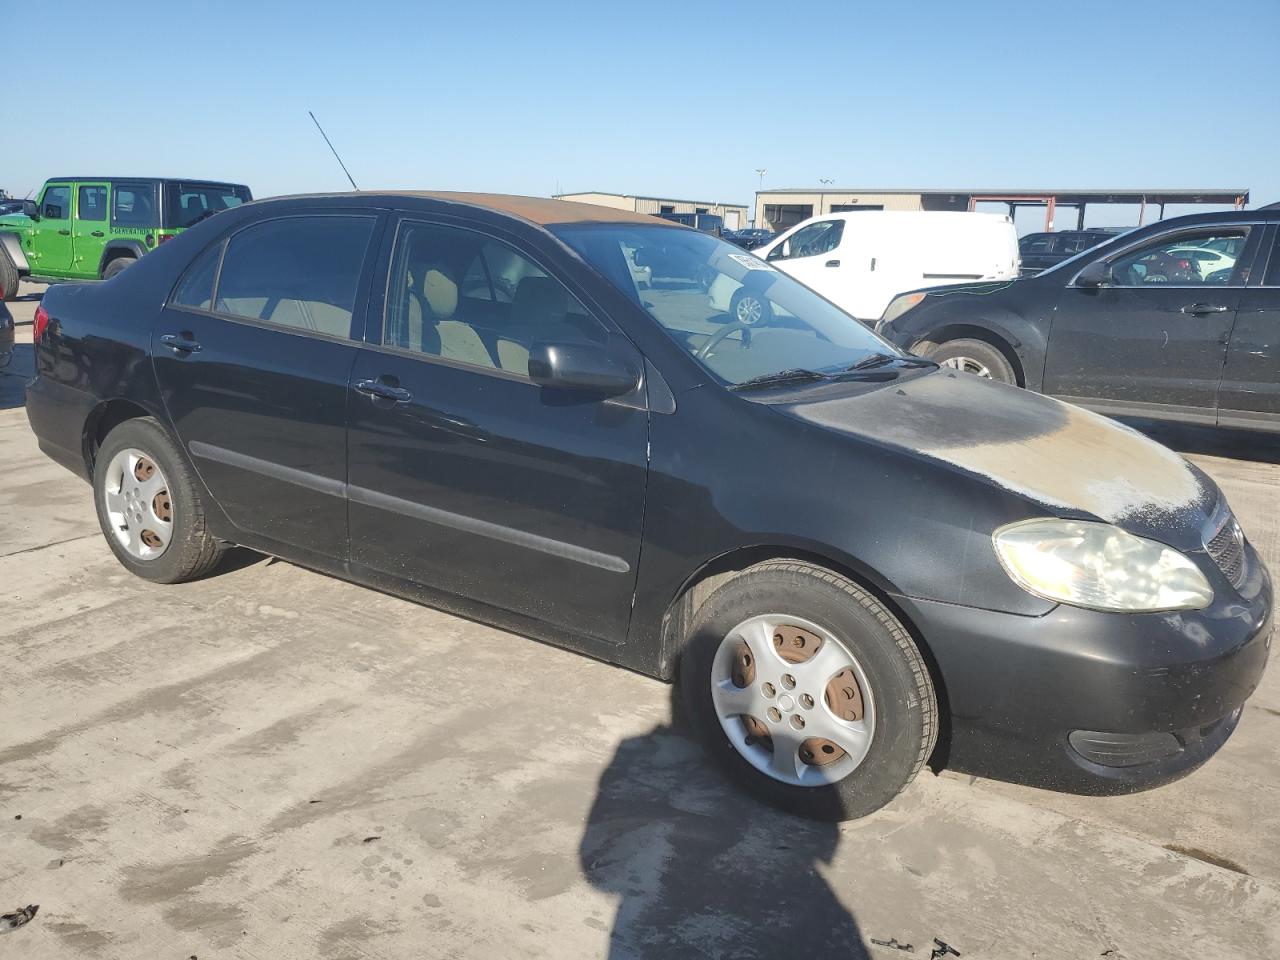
x=149, y=506
x=976, y=357
x=808, y=690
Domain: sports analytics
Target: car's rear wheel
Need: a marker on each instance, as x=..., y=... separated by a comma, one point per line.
x=118, y=265
x=149, y=506
x=808, y=690
x=9, y=278
x=976, y=357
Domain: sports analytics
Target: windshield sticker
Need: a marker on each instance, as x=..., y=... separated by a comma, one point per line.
x=750, y=262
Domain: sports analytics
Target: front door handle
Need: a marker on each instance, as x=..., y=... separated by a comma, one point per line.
x=832, y=263
x=64, y=233
x=1201, y=309
x=97, y=233
x=383, y=391
x=180, y=344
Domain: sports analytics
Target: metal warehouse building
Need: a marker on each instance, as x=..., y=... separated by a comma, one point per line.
x=734, y=214
x=782, y=209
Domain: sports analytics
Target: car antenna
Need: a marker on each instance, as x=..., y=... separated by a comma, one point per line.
x=335, y=152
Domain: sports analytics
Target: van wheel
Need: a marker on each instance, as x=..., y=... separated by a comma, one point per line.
x=808, y=691
x=976, y=357
x=118, y=265
x=149, y=507
x=9, y=278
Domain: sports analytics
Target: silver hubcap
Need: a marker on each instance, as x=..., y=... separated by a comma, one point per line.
x=750, y=311
x=967, y=365
x=138, y=506
x=792, y=700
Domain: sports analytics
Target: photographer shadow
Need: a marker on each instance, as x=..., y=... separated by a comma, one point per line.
x=701, y=869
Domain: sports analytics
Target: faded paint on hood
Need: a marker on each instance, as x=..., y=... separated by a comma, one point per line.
x=1048, y=451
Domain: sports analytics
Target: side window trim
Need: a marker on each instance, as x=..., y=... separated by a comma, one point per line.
x=1250, y=229
x=1270, y=266
x=361, y=307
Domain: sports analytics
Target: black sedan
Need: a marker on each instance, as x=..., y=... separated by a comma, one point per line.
x=6, y=335
x=852, y=560
x=749, y=238
x=1179, y=320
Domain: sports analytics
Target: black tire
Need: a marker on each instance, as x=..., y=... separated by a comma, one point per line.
x=9, y=278
x=118, y=265
x=191, y=552
x=906, y=707
x=977, y=350
x=749, y=308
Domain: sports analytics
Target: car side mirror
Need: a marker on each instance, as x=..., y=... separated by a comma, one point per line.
x=1096, y=274
x=601, y=370
x=30, y=208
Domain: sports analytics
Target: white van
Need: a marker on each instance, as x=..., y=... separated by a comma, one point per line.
x=862, y=260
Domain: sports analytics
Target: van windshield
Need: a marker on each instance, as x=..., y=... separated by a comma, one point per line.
x=738, y=316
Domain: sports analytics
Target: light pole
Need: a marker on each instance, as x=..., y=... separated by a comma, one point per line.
x=760, y=172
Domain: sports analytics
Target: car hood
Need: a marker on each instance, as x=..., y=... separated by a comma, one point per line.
x=981, y=289
x=1060, y=457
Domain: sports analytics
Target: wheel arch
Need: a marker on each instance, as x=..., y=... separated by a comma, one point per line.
x=115, y=249
x=718, y=570
x=104, y=418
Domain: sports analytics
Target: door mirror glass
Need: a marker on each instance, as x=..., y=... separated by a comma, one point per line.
x=1096, y=274
x=608, y=370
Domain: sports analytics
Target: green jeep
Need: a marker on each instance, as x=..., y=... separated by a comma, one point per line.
x=91, y=228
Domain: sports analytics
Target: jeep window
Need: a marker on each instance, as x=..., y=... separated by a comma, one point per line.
x=56, y=204
x=134, y=205
x=298, y=272
x=93, y=203
x=185, y=203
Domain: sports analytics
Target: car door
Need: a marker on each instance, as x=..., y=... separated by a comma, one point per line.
x=253, y=354
x=1250, y=391
x=89, y=229
x=1151, y=336
x=466, y=476
x=812, y=255
x=51, y=240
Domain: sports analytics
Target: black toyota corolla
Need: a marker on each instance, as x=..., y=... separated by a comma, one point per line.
x=852, y=560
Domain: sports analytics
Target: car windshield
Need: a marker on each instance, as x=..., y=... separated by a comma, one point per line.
x=739, y=317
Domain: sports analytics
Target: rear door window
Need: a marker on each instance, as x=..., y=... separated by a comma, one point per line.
x=133, y=204
x=92, y=204
x=299, y=272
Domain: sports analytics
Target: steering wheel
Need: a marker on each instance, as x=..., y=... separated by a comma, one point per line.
x=719, y=336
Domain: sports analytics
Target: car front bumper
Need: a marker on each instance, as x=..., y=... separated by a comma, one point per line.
x=1090, y=702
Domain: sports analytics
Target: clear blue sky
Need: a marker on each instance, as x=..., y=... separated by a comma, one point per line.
x=680, y=99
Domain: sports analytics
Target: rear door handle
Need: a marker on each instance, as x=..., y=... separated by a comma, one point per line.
x=833, y=263
x=180, y=344
x=1200, y=309
x=383, y=391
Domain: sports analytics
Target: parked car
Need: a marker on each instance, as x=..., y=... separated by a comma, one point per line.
x=1157, y=323
x=860, y=261
x=9, y=205
x=830, y=542
x=1040, y=251
x=91, y=228
x=749, y=238
x=6, y=336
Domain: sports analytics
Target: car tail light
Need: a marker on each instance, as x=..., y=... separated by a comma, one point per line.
x=165, y=236
x=39, y=324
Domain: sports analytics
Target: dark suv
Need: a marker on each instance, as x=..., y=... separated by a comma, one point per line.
x=1040, y=251
x=1177, y=321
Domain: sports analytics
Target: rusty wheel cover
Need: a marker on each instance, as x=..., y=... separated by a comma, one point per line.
x=843, y=696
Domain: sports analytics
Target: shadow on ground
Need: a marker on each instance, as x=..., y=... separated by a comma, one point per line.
x=702, y=870
x=1210, y=441
x=14, y=377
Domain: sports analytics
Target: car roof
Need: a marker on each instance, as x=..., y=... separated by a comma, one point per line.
x=101, y=179
x=542, y=211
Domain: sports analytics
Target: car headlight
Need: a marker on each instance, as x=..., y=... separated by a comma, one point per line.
x=898, y=306
x=1099, y=566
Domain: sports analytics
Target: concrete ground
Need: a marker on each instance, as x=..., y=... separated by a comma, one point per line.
x=273, y=764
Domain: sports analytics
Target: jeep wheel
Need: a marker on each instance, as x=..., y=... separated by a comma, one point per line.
x=808, y=691
x=118, y=265
x=9, y=278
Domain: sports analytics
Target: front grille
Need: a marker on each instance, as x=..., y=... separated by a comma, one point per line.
x=1226, y=546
